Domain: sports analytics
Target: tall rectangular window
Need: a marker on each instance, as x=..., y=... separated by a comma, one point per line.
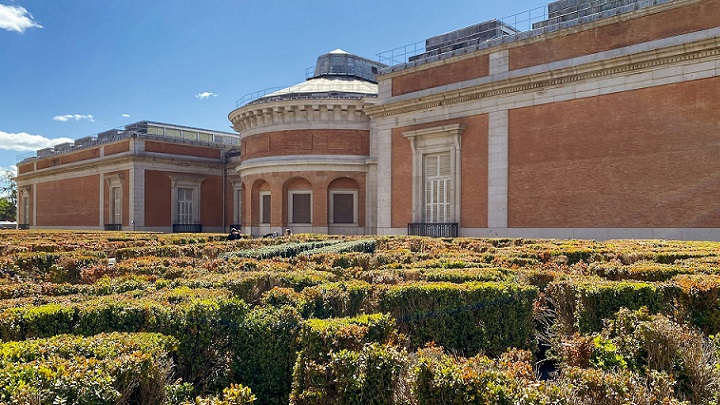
x=26, y=209
x=437, y=179
x=185, y=206
x=238, y=206
x=300, y=207
x=116, y=205
x=265, y=207
x=343, y=207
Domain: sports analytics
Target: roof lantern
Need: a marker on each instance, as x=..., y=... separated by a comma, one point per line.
x=341, y=63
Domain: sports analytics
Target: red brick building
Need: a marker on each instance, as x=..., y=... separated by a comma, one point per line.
x=148, y=176
x=602, y=121
x=305, y=156
x=602, y=126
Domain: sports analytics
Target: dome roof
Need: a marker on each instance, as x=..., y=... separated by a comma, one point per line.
x=338, y=74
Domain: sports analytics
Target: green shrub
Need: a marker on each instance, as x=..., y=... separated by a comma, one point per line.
x=371, y=375
x=582, y=305
x=467, y=318
x=641, y=271
x=465, y=275
x=363, y=246
x=291, y=249
x=104, y=369
x=347, y=361
x=263, y=350
x=251, y=286
x=234, y=395
x=197, y=318
x=614, y=387
x=441, y=379
x=699, y=301
x=334, y=300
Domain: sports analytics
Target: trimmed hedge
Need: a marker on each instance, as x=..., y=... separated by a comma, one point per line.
x=582, y=304
x=233, y=395
x=199, y=324
x=291, y=249
x=362, y=245
x=263, y=350
x=465, y=275
x=441, y=379
x=699, y=301
x=466, y=318
x=104, y=369
x=347, y=361
x=334, y=300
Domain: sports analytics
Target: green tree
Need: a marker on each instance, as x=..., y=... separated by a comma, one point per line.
x=8, y=196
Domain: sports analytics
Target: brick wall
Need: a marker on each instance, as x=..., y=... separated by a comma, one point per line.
x=577, y=42
x=211, y=201
x=474, y=170
x=307, y=142
x=115, y=148
x=643, y=158
x=319, y=182
x=158, y=212
x=69, y=202
x=450, y=72
x=185, y=150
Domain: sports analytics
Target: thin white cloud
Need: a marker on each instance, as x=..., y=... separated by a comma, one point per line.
x=126, y=115
x=12, y=169
x=24, y=142
x=205, y=95
x=16, y=18
x=76, y=117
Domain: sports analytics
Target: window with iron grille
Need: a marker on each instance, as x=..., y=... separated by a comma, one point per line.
x=437, y=181
x=185, y=206
x=116, y=208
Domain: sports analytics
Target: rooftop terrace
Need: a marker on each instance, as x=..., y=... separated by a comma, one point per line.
x=142, y=128
x=557, y=15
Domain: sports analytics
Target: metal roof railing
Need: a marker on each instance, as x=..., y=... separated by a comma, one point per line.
x=120, y=133
x=521, y=22
x=250, y=97
x=530, y=23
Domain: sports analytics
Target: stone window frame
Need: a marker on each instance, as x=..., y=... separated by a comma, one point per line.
x=237, y=202
x=291, y=219
x=115, y=181
x=25, y=194
x=429, y=141
x=186, y=182
x=331, y=206
x=261, y=207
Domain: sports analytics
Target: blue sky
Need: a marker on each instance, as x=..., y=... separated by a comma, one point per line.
x=73, y=68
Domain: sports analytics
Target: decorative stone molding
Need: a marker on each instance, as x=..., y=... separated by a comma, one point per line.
x=696, y=52
x=299, y=114
x=186, y=181
x=303, y=163
x=440, y=139
x=115, y=180
x=525, y=38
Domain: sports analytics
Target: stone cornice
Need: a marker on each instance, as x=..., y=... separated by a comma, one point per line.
x=708, y=49
x=298, y=112
x=117, y=162
x=304, y=163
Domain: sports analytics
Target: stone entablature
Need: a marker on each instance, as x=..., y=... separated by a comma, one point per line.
x=299, y=114
x=630, y=60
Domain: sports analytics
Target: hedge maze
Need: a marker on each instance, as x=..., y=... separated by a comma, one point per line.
x=140, y=318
